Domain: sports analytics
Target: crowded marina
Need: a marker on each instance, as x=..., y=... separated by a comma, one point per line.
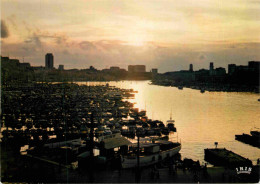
x=84, y=127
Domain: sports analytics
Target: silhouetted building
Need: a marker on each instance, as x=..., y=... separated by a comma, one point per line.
x=92, y=68
x=154, y=71
x=136, y=68
x=7, y=59
x=231, y=69
x=130, y=68
x=254, y=65
x=183, y=75
x=217, y=75
x=191, y=68
x=114, y=68
x=61, y=67
x=201, y=75
x=211, y=66
x=237, y=76
x=25, y=65
x=49, y=61
x=38, y=68
x=220, y=71
x=244, y=74
x=4, y=59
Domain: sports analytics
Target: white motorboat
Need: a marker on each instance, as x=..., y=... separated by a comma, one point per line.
x=150, y=153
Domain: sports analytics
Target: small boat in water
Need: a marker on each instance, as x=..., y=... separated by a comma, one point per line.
x=170, y=124
x=150, y=153
x=255, y=133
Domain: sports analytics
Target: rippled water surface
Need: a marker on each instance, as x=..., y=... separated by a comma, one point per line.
x=201, y=118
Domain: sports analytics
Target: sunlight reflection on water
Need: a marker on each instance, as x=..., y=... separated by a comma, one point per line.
x=201, y=119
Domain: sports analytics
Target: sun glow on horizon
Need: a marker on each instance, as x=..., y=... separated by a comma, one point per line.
x=136, y=40
x=168, y=35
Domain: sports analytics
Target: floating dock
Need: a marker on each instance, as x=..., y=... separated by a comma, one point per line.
x=248, y=139
x=224, y=157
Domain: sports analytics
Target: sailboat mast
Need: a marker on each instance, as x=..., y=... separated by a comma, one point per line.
x=171, y=114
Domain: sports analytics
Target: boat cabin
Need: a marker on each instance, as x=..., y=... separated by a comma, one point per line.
x=111, y=144
x=145, y=148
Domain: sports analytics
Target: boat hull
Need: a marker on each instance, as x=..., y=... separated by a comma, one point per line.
x=131, y=162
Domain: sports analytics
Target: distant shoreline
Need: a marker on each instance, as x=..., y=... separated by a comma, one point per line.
x=213, y=88
x=205, y=87
x=209, y=87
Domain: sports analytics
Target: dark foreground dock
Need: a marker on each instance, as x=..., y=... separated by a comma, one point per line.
x=35, y=170
x=224, y=157
x=213, y=175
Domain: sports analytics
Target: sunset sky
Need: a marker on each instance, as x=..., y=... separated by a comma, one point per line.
x=163, y=34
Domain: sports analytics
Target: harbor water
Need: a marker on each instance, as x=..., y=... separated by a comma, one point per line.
x=200, y=118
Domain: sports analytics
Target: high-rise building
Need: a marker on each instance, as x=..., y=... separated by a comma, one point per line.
x=49, y=61
x=211, y=66
x=191, y=68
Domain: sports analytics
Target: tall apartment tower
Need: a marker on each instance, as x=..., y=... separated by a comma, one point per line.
x=211, y=66
x=191, y=68
x=49, y=61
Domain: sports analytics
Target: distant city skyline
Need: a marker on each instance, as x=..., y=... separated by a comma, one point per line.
x=49, y=64
x=168, y=35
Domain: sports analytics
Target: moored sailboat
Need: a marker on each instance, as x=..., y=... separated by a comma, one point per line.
x=170, y=124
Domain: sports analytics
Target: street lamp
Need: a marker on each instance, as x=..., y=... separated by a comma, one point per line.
x=216, y=144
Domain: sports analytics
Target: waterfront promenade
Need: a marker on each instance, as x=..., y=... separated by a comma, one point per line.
x=214, y=175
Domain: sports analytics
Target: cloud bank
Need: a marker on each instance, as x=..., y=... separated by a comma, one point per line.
x=167, y=34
